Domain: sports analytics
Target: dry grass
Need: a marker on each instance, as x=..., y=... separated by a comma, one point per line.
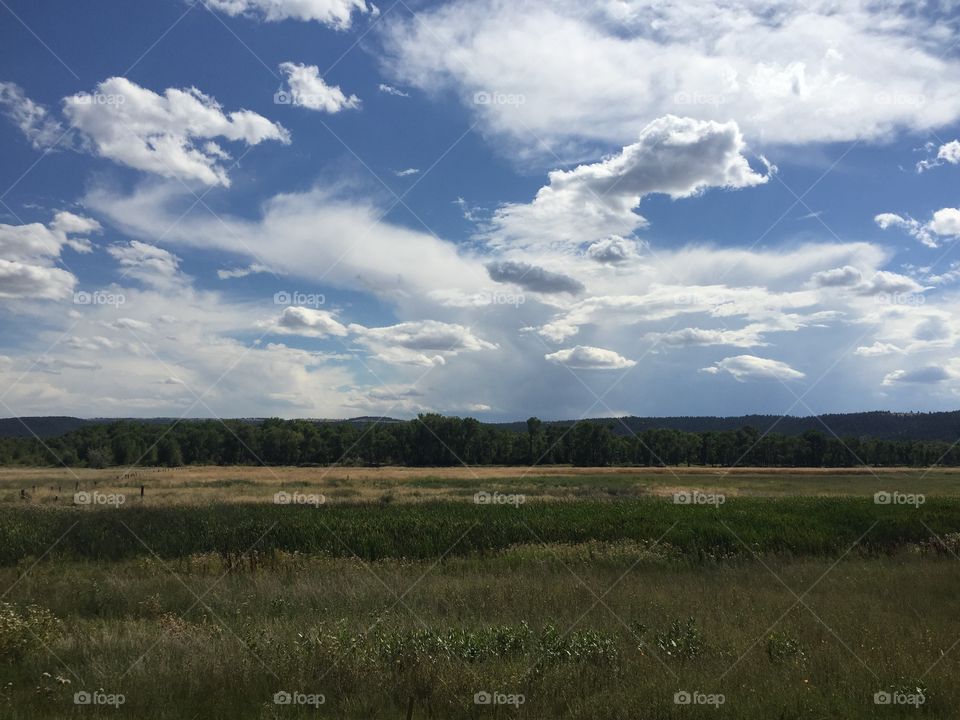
x=205, y=484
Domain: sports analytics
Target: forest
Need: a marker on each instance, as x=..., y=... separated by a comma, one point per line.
x=437, y=440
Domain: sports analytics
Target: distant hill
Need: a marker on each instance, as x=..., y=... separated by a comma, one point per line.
x=55, y=426
x=40, y=426
x=879, y=424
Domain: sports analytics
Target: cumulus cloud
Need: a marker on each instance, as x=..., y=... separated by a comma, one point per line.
x=337, y=14
x=308, y=322
x=749, y=336
x=42, y=130
x=423, y=342
x=584, y=357
x=172, y=135
x=308, y=89
x=751, y=367
x=928, y=375
x=818, y=71
x=613, y=250
x=846, y=276
x=678, y=157
x=28, y=256
x=533, y=278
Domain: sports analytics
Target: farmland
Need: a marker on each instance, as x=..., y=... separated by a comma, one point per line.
x=577, y=592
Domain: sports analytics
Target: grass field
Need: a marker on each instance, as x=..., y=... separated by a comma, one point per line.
x=188, y=485
x=596, y=596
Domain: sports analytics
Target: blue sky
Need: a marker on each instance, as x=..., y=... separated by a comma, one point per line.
x=479, y=208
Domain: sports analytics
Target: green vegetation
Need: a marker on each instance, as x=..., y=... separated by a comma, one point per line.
x=435, y=440
x=376, y=640
x=754, y=608
x=798, y=526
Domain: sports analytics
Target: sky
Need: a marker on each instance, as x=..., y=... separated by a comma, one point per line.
x=330, y=208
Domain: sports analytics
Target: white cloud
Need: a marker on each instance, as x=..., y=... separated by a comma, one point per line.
x=674, y=156
x=43, y=131
x=391, y=90
x=149, y=264
x=751, y=367
x=28, y=255
x=944, y=224
x=749, y=336
x=407, y=172
x=308, y=322
x=318, y=234
x=424, y=342
x=583, y=357
x=847, y=276
x=613, y=250
x=241, y=272
x=170, y=134
x=817, y=71
x=948, y=153
x=308, y=89
x=335, y=13
x=878, y=349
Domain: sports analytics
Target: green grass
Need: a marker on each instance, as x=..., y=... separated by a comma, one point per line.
x=799, y=526
x=524, y=620
x=790, y=607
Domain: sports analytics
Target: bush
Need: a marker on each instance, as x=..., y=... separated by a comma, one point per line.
x=23, y=630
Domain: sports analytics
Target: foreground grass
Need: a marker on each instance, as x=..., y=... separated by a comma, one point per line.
x=593, y=630
x=799, y=607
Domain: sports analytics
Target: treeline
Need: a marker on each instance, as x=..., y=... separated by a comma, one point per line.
x=436, y=440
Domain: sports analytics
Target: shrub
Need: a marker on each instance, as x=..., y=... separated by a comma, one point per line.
x=785, y=650
x=23, y=630
x=683, y=640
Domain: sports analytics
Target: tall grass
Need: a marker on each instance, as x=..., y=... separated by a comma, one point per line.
x=797, y=526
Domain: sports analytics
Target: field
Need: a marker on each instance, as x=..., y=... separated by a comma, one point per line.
x=581, y=593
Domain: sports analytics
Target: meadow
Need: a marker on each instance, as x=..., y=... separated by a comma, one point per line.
x=581, y=593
